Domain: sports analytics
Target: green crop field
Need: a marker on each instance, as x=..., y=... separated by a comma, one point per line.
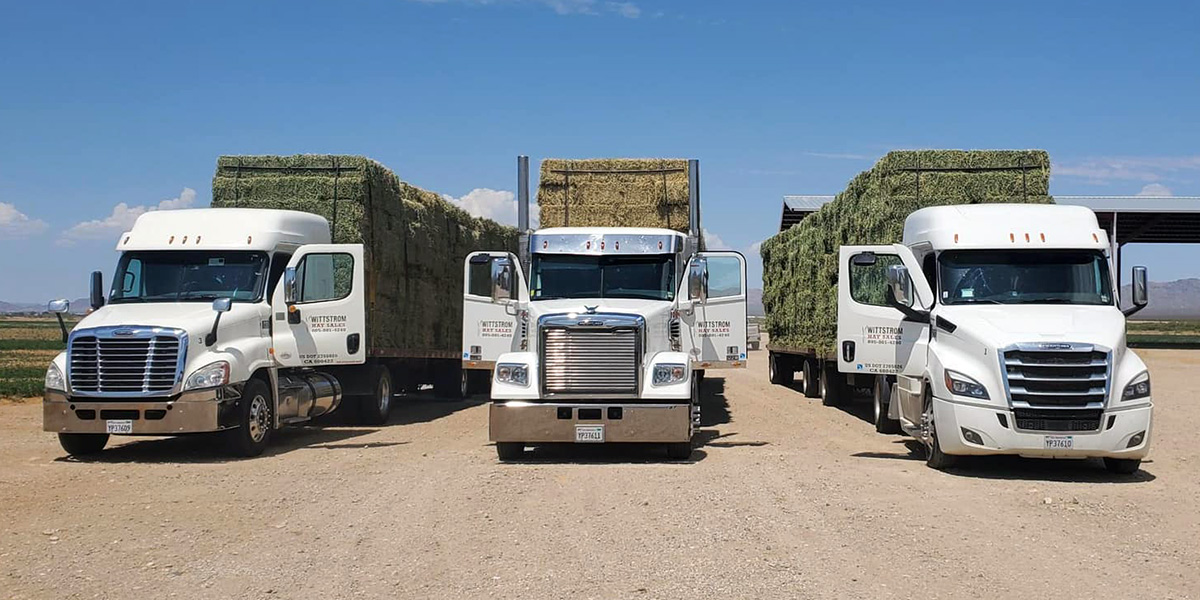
x=1163, y=334
x=27, y=345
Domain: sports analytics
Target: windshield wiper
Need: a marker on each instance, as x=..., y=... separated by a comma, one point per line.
x=976, y=301
x=1047, y=301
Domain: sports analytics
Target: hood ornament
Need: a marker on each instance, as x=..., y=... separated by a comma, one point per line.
x=591, y=310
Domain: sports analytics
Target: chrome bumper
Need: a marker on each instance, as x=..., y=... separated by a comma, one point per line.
x=190, y=412
x=518, y=421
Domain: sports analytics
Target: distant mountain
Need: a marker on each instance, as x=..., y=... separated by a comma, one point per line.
x=78, y=307
x=1169, y=300
x=754, y=305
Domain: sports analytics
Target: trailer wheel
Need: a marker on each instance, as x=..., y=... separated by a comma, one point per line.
x=832, y=387
x=882, y=396
x=780, y=369
x=448, y=383
x=812, y=384
x=375, y=408
x=507, y=451
x=82, y=444
x=255, y=421
x=1122, y=466
x=679, y=450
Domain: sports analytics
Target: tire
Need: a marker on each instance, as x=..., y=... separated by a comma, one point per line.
x=475, y=382
x=255, y=410
x=812, y=385
x=1122, y=466
x=778, y=374
x=831, y=388
x=934, y=457
x=507, y=451
x=376, y=408
x=882, y=398
x=679, y=450
x=82, y=444
x=448, y=382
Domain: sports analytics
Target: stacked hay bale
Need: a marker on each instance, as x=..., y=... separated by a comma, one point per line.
x=614, y=192
x=800, y=269
x=415, y=241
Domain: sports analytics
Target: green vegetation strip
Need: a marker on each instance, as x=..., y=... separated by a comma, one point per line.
x=26, y=344
x=21, y=388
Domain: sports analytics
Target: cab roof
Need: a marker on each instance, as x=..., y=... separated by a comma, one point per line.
x=224, y=229
x=1015, y=226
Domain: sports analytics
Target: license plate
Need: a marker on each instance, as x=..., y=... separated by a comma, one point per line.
x=1060, y=442
x=119, y=426
x=589, y=434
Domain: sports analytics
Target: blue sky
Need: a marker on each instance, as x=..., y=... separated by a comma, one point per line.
x=109, y=109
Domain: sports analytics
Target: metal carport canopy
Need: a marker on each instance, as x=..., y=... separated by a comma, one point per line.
x=1144, y=219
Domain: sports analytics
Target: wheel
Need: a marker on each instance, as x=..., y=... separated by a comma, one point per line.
x=780, y=375
x=679, y=450
x=375, y=408
x=466, y=387
x=510, y=450
x=934, y=457
x=882, y=396
x=82, y=444
x=812, y=387
x=255, y=421
x=831, y=387
x=476, y=382
x=448, y=382
x=1122, y=466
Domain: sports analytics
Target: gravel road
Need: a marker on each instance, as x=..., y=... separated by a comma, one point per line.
x=783, y=498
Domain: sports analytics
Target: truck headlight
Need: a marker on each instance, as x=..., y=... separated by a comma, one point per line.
x=514, y=373
x=208, y=376
x=961, y=385
x=1138, y=388
x=55, y=380
x=668, y=374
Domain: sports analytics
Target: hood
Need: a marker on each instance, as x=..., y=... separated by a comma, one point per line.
x=194, y=317
x=1001, y=326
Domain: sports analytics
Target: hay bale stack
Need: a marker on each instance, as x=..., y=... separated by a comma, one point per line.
x=614, y=192
x=800, y=269
x=415, y=241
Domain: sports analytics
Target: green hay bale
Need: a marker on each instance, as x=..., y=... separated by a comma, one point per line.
x=415, y=241
x=800, y=270
x=614, y=192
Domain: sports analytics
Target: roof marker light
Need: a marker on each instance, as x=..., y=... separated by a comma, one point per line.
x=249, y=238
x=1012, y=237
x=127, y=240
x=956, y=238
x=601, y=244
x=172, y=240
x=617, y=245
x=1095, y=239
x=589, y=245
x=197, y=239
x=184, y=241
x=1027, y=237
x=1043, y=236
x=545, y=244
x=660, y=244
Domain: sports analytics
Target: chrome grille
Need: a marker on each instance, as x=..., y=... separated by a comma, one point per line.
x=590, y=361
x=132, y=362
x=1057, y=375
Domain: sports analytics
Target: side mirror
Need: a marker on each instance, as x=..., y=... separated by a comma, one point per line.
x=290, y=291
x=502, y=278
x=97, y=295
x=1140, y=290
x=59, y=307
x=698, y=280
x=222, y=304
x=900, y=284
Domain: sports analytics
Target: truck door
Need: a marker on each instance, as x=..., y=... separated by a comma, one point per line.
x=712, y=313
x=320, y=311
x=493, y=290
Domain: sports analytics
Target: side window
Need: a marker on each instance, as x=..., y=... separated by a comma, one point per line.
x=324, y=277
x=868, y=283
x=278, y=265
x=479, y=275
x=131, y=286
x=724, y=276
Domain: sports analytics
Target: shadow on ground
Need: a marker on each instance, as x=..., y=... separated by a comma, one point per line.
x=1016, y=467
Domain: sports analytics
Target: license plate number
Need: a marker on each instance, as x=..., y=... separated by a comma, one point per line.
x=119, y=426
x=589, y=434
x=1060, y=442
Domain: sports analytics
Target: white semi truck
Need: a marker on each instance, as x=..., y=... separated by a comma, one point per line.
x=219, y=319
x=997, y=329
x=601, y=334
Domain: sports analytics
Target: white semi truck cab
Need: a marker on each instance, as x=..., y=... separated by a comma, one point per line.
x=218, y=319
x=997, y=329
x=601, y=334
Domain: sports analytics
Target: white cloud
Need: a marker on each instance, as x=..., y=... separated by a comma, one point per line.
x=1109, y=169
x=122, y=219
x=1155, y=189
x=497, y=205
x=756, y=248
x=713, y=241
x=629, y=10
x=14, y=223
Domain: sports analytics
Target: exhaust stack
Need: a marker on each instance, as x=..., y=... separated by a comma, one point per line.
x=694, y=202
x=523, y=210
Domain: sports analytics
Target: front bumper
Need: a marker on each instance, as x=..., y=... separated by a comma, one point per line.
x=189, y=412
x=1109, y=442
x=529, y=422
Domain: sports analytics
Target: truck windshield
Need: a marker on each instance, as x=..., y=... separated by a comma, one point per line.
x=569, y=276
x=189, y=276
x=1024, y=277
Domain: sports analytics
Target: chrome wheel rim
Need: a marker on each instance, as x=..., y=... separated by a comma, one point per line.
x=385, y=395
x=878, y=400
x=260, y=418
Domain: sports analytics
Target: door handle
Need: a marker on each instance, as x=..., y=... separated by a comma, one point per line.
x=353, y=341
x=848, y=351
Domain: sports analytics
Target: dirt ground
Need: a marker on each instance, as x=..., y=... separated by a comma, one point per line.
x=783, y=498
